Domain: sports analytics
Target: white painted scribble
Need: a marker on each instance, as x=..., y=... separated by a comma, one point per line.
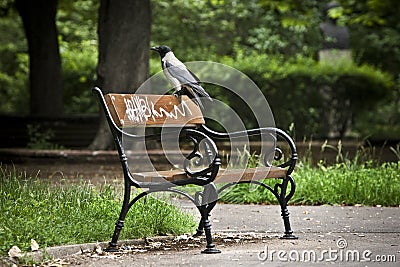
x=141, y=110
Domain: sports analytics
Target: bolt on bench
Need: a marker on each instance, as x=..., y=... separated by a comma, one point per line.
x=180, y=120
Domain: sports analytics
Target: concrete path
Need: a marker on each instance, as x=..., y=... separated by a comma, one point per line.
x=348, y=236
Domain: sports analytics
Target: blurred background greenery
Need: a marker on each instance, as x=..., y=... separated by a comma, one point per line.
x=275, y=43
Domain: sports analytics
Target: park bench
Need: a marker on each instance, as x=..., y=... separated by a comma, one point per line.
x=181, y=121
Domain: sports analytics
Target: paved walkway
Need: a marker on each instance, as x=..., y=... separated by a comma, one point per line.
x=349, y=236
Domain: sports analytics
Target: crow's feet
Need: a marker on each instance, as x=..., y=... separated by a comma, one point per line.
x=178, y=95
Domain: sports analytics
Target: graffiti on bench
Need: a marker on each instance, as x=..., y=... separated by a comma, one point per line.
x=136, y=109
x=140, y=110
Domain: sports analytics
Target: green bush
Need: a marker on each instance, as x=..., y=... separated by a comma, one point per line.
x=14, y=87
x=13, y=66
x=304, y=91
x=79, y=75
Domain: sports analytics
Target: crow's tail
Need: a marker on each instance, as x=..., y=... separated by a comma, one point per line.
x=194, y=93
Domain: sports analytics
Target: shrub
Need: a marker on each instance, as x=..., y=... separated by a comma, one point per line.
x=308, y=93
x=79, y=75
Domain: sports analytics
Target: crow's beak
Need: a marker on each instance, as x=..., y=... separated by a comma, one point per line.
x=155, y=48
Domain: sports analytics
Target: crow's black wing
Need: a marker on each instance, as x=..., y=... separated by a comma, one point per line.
x=185, y=77
x=181, y=73
x=194, y=76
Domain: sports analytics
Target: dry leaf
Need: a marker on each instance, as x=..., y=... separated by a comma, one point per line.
x=34, y=245
x=98, y=249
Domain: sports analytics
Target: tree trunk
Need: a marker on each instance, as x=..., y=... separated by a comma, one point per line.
x=124, y=43
x=39, y=20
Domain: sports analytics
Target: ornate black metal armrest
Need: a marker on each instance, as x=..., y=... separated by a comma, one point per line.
x=275, y=133
x=204, y=153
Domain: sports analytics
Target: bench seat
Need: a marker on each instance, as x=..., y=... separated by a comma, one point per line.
x=223, y=176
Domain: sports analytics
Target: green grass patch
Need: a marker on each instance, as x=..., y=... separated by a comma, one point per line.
x=341, y=183
x=54, y=215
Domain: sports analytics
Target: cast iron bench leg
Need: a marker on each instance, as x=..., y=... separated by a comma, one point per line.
x=209, y=200
x=199, y=230
x=283, y=200
x=112, y=246
x=288, y=230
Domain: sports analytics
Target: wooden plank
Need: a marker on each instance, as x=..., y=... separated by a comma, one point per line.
x=128, y=110
x=223, y=176
x=260, y=173
x=160, y=176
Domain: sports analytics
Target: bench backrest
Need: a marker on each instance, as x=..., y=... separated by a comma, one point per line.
x=129, y=110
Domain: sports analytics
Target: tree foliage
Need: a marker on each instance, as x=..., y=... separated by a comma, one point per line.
x=259, y=37
x=375, y=30
x=221, y=27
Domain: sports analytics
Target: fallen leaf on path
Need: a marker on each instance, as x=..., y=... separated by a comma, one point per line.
x=98, y=249
x=34, y=245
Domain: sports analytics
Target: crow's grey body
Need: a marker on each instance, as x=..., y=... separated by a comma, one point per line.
x=183, y=80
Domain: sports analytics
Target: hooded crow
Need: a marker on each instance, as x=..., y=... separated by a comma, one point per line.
x=181, y=77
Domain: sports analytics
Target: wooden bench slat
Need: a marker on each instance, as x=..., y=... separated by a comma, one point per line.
x=260, y=173
x=128, y=110
x=223, y=176
x=160, y=176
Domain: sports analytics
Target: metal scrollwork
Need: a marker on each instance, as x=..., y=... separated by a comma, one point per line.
x=204, y=153
x=277, y=155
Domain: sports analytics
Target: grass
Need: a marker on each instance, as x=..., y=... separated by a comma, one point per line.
x=32, y=209
x=336, y=184
x=356, y=181
x=342, y=184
